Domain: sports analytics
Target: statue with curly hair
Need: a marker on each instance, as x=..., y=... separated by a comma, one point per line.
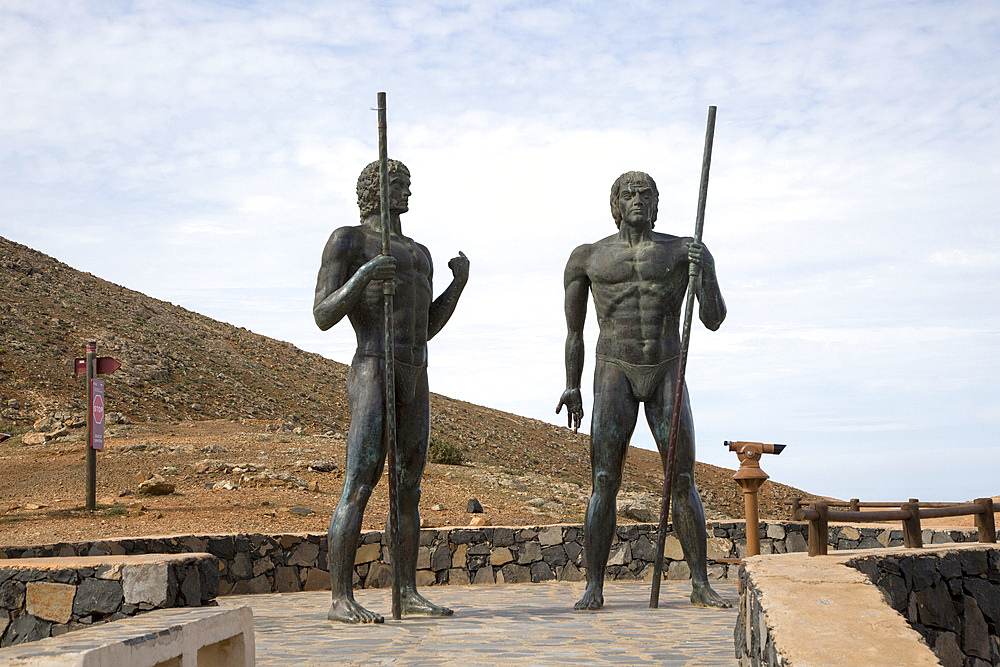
x=638, y=278
x=349, y=283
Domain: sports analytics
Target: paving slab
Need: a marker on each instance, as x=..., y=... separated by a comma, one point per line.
x=528, y=624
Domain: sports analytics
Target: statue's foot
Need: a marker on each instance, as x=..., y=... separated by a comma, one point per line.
x=349, y=611
x=593, y=598
x=703, y=596
x=413, y=603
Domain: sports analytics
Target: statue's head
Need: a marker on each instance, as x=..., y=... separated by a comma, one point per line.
x=628, y=182
x=368, y=193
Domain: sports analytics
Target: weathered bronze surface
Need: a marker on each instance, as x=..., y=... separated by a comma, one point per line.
x=638, y=279
x=350, y=283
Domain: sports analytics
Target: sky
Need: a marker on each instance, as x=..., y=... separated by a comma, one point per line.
x=203, y=152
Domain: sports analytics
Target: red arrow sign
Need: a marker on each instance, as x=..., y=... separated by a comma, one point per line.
x=107, y=365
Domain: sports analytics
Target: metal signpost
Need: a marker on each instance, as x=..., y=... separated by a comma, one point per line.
x=93, y=365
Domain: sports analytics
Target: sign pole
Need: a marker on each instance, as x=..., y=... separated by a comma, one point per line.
x=389, y=430
x=675, y=415
x=91, y=452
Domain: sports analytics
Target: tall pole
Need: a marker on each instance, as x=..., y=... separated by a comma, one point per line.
x=389, y=429
x=675, y=416
x=91, y=452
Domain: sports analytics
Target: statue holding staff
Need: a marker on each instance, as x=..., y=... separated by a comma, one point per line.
x=638, y=280
x=349, y=283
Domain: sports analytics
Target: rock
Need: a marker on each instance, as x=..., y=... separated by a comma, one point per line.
x=33, y=438
x=43, y=424
x=367, y=553
x=975, y=632
x=50, y=601
x=313, y=486
x=96, y=596
x=678, y=570
x=301, y=511
x=437, y=508
x=379, y=576
x=213, y=448
x=480, y=521
x=474, y=506
x=501, y=556
x=323, y=466
x=156, y=486
x=224, y=485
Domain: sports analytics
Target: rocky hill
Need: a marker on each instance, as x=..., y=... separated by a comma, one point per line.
x=178, y=366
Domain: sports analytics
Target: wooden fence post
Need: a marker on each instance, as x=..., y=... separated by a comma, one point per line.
x=818, y=530
x=985, y=522
x=911, y=527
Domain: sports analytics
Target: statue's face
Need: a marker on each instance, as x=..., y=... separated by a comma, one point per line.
x=635, y=203
x=399, y=192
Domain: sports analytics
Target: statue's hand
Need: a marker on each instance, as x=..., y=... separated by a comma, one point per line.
x=697, y=255
x=573, y=401
x=380, y=267
x=460, y=266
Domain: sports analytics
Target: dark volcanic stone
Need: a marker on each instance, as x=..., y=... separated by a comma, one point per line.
x=190, y=589
x=97, y=596
x=26, y=628
x=935, y=609
x=474, y=506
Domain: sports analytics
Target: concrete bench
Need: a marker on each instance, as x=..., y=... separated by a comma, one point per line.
x=43, y=597
x=202, y=637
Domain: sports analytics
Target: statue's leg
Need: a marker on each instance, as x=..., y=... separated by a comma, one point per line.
x=615, y=412
x=412, y=433
x=365, y=459
x=686, y=508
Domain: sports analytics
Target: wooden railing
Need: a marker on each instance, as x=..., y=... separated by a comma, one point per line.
x=819, y=515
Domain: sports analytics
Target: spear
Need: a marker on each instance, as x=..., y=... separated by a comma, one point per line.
x=675, y=416
x=389, y=427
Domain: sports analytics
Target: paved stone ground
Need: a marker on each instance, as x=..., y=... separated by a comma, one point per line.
x=527, y=624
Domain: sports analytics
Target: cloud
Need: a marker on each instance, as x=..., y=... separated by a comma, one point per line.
x=851, y=211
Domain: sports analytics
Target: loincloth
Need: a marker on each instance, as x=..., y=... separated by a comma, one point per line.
x=644, y=379
x=407, y=377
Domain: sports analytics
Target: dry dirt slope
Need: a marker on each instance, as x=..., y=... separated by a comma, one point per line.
x=181, y=367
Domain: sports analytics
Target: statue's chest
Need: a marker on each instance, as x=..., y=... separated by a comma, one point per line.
x=640, y=265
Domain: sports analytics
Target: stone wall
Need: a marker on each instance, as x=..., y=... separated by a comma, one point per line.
x=47, y=597
x=258, y=563
x=883, y=607
x=951, y=599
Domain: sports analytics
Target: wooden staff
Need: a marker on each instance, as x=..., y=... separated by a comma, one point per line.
x=675, y=416
x=389, y=426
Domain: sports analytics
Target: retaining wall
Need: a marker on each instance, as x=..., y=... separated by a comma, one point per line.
x=43, y=597
x=258, y=563
x=886, y=606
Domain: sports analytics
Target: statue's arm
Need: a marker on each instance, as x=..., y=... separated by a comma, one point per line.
x=576, y=284
x=336, y=291
x=711, y=306
x=443, y=307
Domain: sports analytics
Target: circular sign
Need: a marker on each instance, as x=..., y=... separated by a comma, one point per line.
x=98, y=409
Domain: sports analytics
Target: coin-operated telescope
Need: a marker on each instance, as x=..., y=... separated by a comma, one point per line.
x=750, y=478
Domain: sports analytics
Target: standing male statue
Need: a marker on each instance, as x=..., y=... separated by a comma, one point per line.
x=349, y=283
x=638, y=278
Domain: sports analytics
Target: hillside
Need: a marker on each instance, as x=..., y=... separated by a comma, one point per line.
x=188, y=382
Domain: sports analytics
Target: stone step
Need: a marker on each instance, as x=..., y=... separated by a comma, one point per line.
x=206, y=637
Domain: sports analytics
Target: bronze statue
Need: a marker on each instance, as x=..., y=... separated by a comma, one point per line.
x=349, y=283
x=638, y=278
